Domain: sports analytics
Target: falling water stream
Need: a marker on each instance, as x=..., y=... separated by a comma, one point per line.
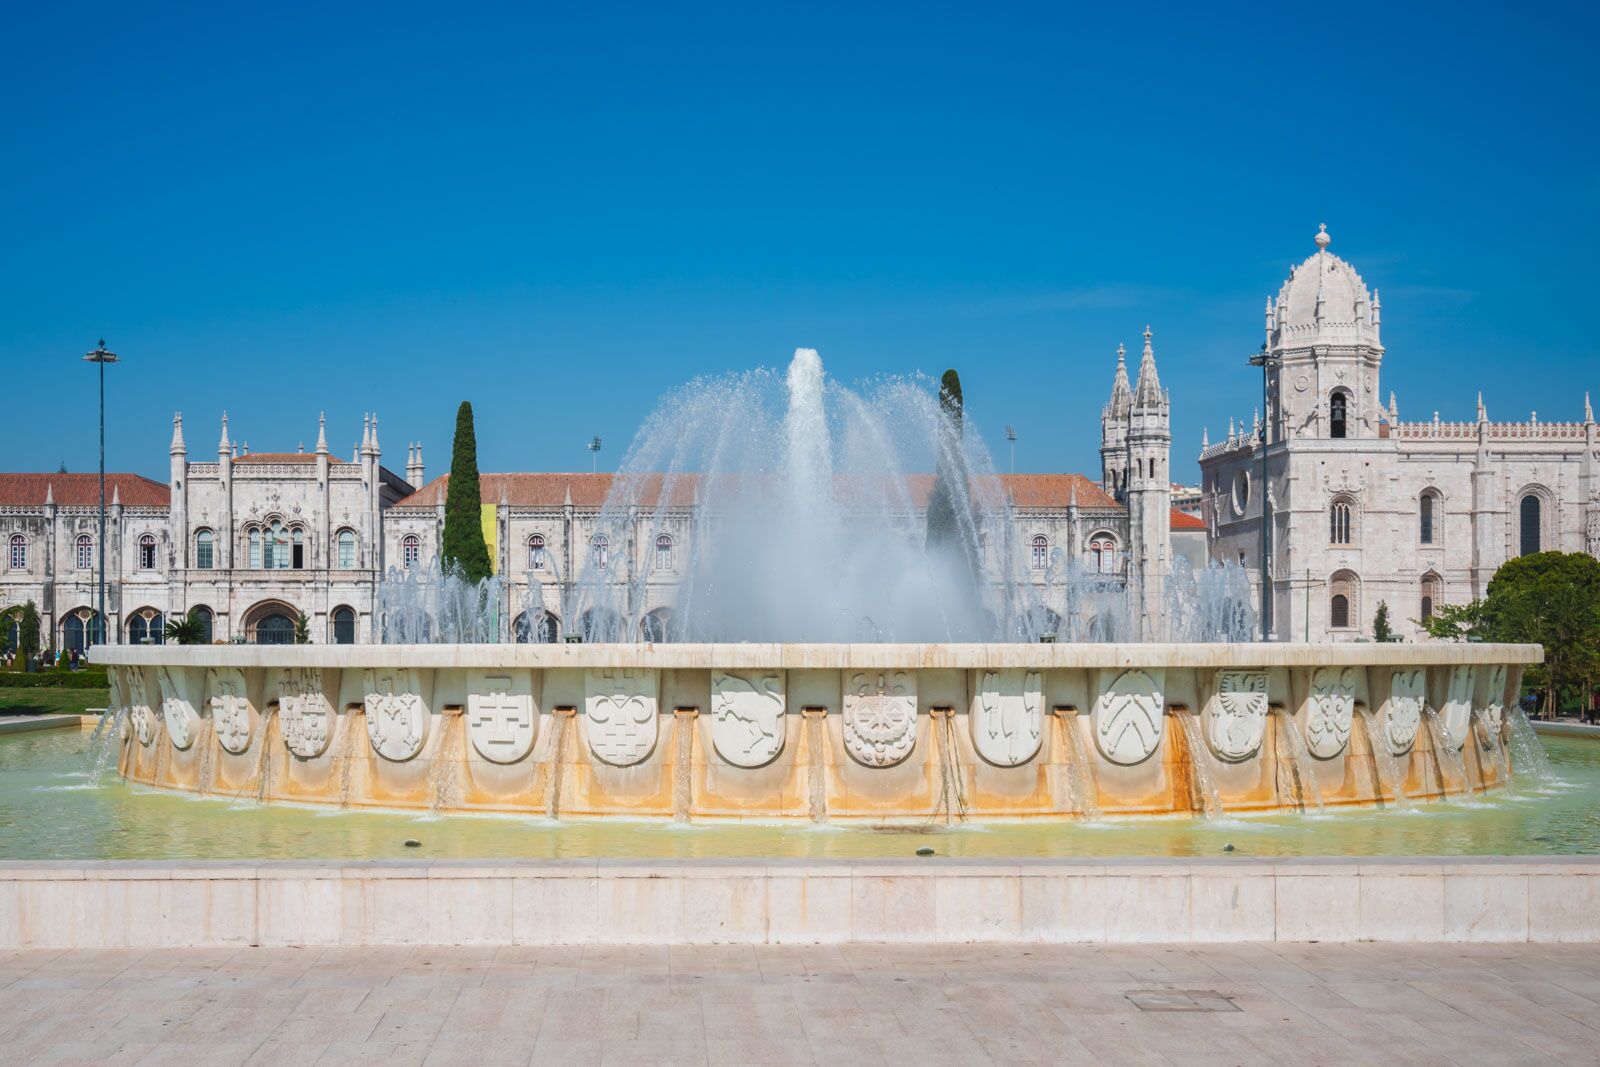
x=444, y=773
x=205, y=742
x=1387, y=768
x=952, y=790
x=1202, y=782
x=1447, y=756
x=1530, y=765
x=261, y=780
x=1081, y=777
x=1308, y=792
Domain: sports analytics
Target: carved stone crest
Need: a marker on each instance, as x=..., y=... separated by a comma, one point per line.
x=1238, y=719
x=1008, y=715
x=747, y=716
x=1407, y=690
x=620, y=706
x=500, y=717
x=304, y=714
x=397, y=722
x=230, y=708
x=1330, y=710
x=140, y=713
x=1456, y=715
x=880, y=716
x=1127, y=718
x=177, y=708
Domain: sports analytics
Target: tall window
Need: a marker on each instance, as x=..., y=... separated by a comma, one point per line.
x=19, y=552
x=1530, y=524
x=255, y=547
x=536, y=552
x=297, y=548
x=1429, y=598
x=1102, y=554
x=1339, y=612
x=204, y=550
x=410, y=550
x=85, y=552
x=145, y=628
x=1339, y=523
x=347, y=549
x=1337, y=415
x=208, y=621
x=1425, y=517
x=1342, y=601
x=344, y=626
x=147, y=553
x=1040, y=554
x=600, y=550
x=664, y=552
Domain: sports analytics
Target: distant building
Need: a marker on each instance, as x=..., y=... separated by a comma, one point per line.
x=1367, y=508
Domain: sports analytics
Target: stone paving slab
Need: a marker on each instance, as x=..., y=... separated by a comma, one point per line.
x=806, y=1004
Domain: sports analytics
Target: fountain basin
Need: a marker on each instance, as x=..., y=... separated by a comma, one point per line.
x=857, y=732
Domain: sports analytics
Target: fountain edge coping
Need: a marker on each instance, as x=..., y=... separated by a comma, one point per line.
x=824, y=656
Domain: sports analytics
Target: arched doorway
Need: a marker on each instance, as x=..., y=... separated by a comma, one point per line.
x=270, y=623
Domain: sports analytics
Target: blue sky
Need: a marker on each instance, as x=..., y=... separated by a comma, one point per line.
x=558, y=214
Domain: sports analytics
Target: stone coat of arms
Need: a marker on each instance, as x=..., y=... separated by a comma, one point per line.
x=304, y=715
x=747, y=716
x=1127, y=718
x=1456, y=715
x=1492, y=705
x=1407, y=690
x=500, y=715
x=397, y=720
x=1008, y=715
x=1238, y=719
x=230, y=708
x=1330, y=710
x=177, y=709
x=880, y=716
x=620, y=709
x=139, y=710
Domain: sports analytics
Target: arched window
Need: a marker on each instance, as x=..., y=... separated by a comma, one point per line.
x=344, y=626
x=275, y=547
x=275, y=629
x=600, y=550
x=346, y=541
x=1040, y=555
x=19, y=553
x=1530, y=514
x=146, y=627
x=1426, y=506
x=1343, y=600
x=1102, y=555
x=297, y=548
x=1339, y=523
x=536, y=552
x=1429, y=595
x=664, y=552
x=1338, y=414
x=656, y=626
x=205, y=550
x=410, y=550
x=536, y=627
x=208, y=622
x=147, y=553
x=85, y=552
x=255, y=547
x=81, y=629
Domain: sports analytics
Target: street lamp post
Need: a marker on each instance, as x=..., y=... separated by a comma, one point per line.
x=1011, y=439
x=1266, y=360
x=594, y=453
x=102, y=357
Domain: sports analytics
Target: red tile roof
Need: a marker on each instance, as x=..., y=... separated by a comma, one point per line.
x=1182, y=520
x=589, y=490
x=77, y=490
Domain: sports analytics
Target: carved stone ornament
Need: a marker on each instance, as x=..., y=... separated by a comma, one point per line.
x=620, y=706
x=500, y=717
x=747, y=716
x=1330, y=711
x=1407, y=690
x=1238, y=719
x=1127, y=718
x=139, y=709
x=1491, y=705
x=177, y=707
x=230, y=708
x=1456, y=715
x=304, y=715
x=1008, y=715
x=880, y=716
x=397, y=721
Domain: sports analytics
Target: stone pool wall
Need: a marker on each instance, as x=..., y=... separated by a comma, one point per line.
x=819, y=732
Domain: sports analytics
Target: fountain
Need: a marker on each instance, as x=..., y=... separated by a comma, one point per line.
x=824, y=653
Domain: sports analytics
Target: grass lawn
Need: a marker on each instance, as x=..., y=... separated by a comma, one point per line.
x=51, y=701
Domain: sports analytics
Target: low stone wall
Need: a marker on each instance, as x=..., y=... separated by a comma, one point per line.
x=126, y=904
x=817, y=732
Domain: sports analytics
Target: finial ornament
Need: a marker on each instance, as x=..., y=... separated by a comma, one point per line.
x=1483, y=414
x=1323, y=240
x=1122, y=353
x=1588, y=411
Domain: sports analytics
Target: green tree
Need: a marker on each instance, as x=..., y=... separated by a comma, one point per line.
x=1551, y=599
x=302, y=629
x=28, y=634
x=1456, y=622
x=464, y=547
x=1381, y=630
x=187, y=629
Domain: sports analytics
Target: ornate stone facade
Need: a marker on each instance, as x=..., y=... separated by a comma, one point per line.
x=1367, y=507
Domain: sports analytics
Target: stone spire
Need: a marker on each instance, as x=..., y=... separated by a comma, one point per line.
x=322, y=433
x=1394, y=409
x=1121, y=393
x=1148, y=392
x=116, y=495
x=49, y=494
x=224, y=446
x=1483, y=414
x=1205, y=438
x=414, y=469
x=375, y=449
x=178, y=448
x=1588, y=410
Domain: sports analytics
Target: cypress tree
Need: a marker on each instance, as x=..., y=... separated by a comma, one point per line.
x=949, y=533
x=464, y=546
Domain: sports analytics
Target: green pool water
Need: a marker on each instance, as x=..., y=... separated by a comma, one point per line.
x=50, y=808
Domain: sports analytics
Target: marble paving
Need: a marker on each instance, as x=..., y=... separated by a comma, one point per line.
x=922, y=1004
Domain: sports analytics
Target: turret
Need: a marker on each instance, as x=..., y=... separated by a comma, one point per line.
x=225, y=531
x=1114, y=430
x=178, y=453
x=414, y=469
x=322, y=553
x=1149, y=492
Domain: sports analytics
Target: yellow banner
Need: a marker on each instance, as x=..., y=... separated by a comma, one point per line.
x=491, y=535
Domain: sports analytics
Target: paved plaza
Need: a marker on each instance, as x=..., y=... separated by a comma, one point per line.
x=1328, y=1003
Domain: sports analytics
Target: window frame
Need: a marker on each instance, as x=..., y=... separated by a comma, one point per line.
x=17, y=552
x=146, y=547
x=205, y=549
x=410, y=551
x=1039, y=552
x=83, y=552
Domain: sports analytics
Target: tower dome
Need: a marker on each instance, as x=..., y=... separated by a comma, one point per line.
x=1324, y=302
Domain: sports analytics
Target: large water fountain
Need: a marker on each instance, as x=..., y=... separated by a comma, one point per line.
x=830, y=655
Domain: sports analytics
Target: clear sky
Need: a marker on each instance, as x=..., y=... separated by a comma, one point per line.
x=559, y=213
